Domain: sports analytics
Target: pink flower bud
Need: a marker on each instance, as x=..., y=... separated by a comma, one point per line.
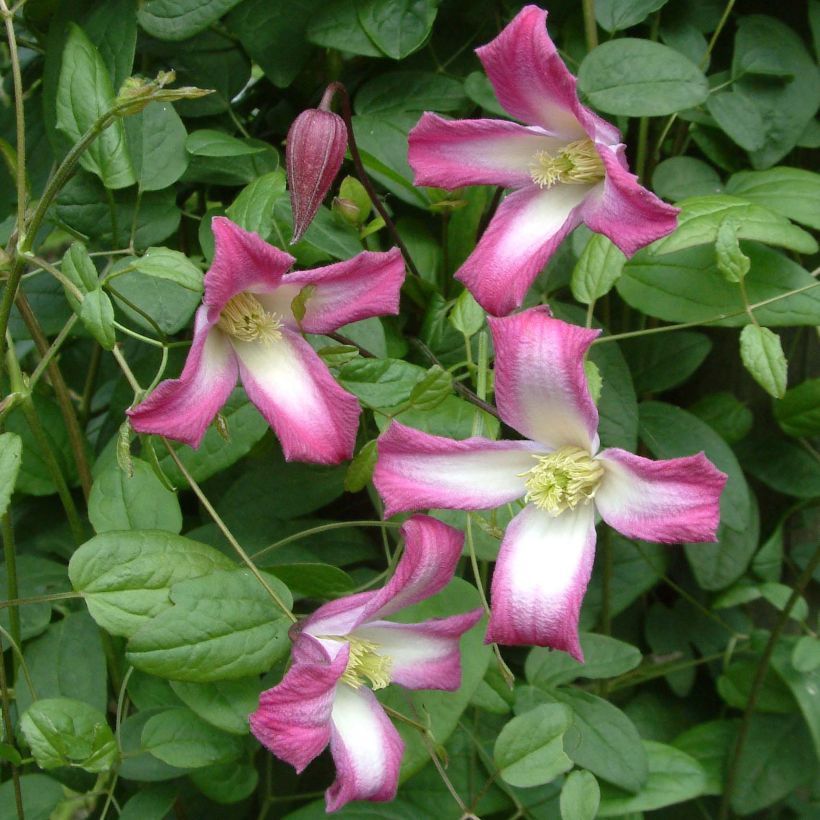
x=316, y=145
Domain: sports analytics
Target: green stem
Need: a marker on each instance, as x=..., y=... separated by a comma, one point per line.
x=19, y=112
x=52, y=350
x=641, y=154
x=336, y=525
x=12, y=590
x=38, y=599
x=203, y=499
x=9, y=732
x=757, y=683
x=590, y=25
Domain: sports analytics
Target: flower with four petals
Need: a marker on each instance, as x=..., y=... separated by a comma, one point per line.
x=546, y=555
x=567, y=167
x=345, y=650
x=246, y=328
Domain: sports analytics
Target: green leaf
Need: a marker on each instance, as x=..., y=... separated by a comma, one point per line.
x=529, y=749
x=724, y=413
x=173, y=266
x=78, y=267
x=151, y=803
x=580, y=796
x=736, y=114
x=773, y=761
x=97, y=315
x=84, y=95
x=126, y=577
x=467, y=316
x=314, y=580
x=136, y=502
x=731, y=261
x=802, y=683
x=798, y=411
x=360, y=471
x=687, y=287
x=480, y=90
x=10, y=754
x=11, y=449
x=227, y=782
x=781, y=464
x=674, y=777
x=156, y=139
x=701, y=217
x=65, y=732
x=665, y=360
x=253, y=208
x=710, y=744
x=790, y=192
x=274, y=35
x=604, y=657
x=181, y=19
x=222, y=626
x=616, y=15
x=224, y=704
x=776, y=594
x=327, y=234
x=639, y=78
x=41, y=796
x=602, y=738
x=598, y=268
x=381, y=383
x=397, y=27
x=806, y=654
x=336, y=25
x=670, y=432
x=431, y=389
x=762, y=355
x=677, y=178
x=182, y=739
x=410, y=91
x=210, y=143
x=35, y=576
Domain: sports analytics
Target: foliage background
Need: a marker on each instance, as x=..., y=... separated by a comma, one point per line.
x=699, y=694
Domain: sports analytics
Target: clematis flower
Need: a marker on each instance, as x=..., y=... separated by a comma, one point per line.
x=545, y=559
x=567, y=167
x=246, y=328
x=345, y=650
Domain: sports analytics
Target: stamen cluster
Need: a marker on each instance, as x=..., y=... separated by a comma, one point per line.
x=576, y=163
x=245, y=319
x=563, y=479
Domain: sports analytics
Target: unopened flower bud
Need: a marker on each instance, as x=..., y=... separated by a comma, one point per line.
x=347, y=210
x=316, y=146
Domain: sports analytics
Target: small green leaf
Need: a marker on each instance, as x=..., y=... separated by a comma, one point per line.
x=164, y=263
x=467, y=316
x=181, y=19
x=432, y=389
x=798, y=411
x=65, y=732
x=78, y=267
x=253, y=209
x=181, y=738
x=97, y=315
x=360, y=471
x=736, y=114
x=224, y=704
x=806, y=654
x=227, y=782
x=731, y=261
x=209, y=143
x=298, y=305
x=791, y=192
x=11, y=449
x=529, y=750
x=397, y=27
x=726, y=414
x=580, y=796
x=678, y=178
x=156, y=139
x=594, y=380
x=616, y=15
x=338, y=355
x=762, y=355
x=598, y=268
x=10, y=754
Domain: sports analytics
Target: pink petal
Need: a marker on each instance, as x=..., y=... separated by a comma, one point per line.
x=670, y=501
x=183, y=408
x=293, y=718
x=522, y=235
x=452, y=153
x=418, y=471
x=624, y=210
x=242, y=261
x=364, y=286
x=314, y=418
x=540, y=386
x=424, y=655
x=366, y=749
x=533, y=84
x=540, y=579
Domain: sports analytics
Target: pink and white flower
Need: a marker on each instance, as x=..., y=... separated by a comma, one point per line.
x=546, y=555
x=345, y=650
x=246, y=329
x=567, y=167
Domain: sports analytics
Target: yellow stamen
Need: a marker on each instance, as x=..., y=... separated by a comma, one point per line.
x=245, y=319
x=365, y=662
x=577, y=163
x=563, y=479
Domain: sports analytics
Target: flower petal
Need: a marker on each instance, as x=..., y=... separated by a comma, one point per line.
x=418, y=471
x=366, y=749
x=540, y=386
x=364, y=286
x=424, y=655
x=540, y=579
x=670, y=501
x=242, y=261
x=624, y=210
x=431, y=552
x=452, y=153
x=532, y=82
x=314, y=418
x=293, y=718
x=183, y=408
x=522, y=235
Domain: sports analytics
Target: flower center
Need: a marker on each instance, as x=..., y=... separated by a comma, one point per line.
x=364, y=662
x=245, y=319
x=576, y=163
x=562, y=480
